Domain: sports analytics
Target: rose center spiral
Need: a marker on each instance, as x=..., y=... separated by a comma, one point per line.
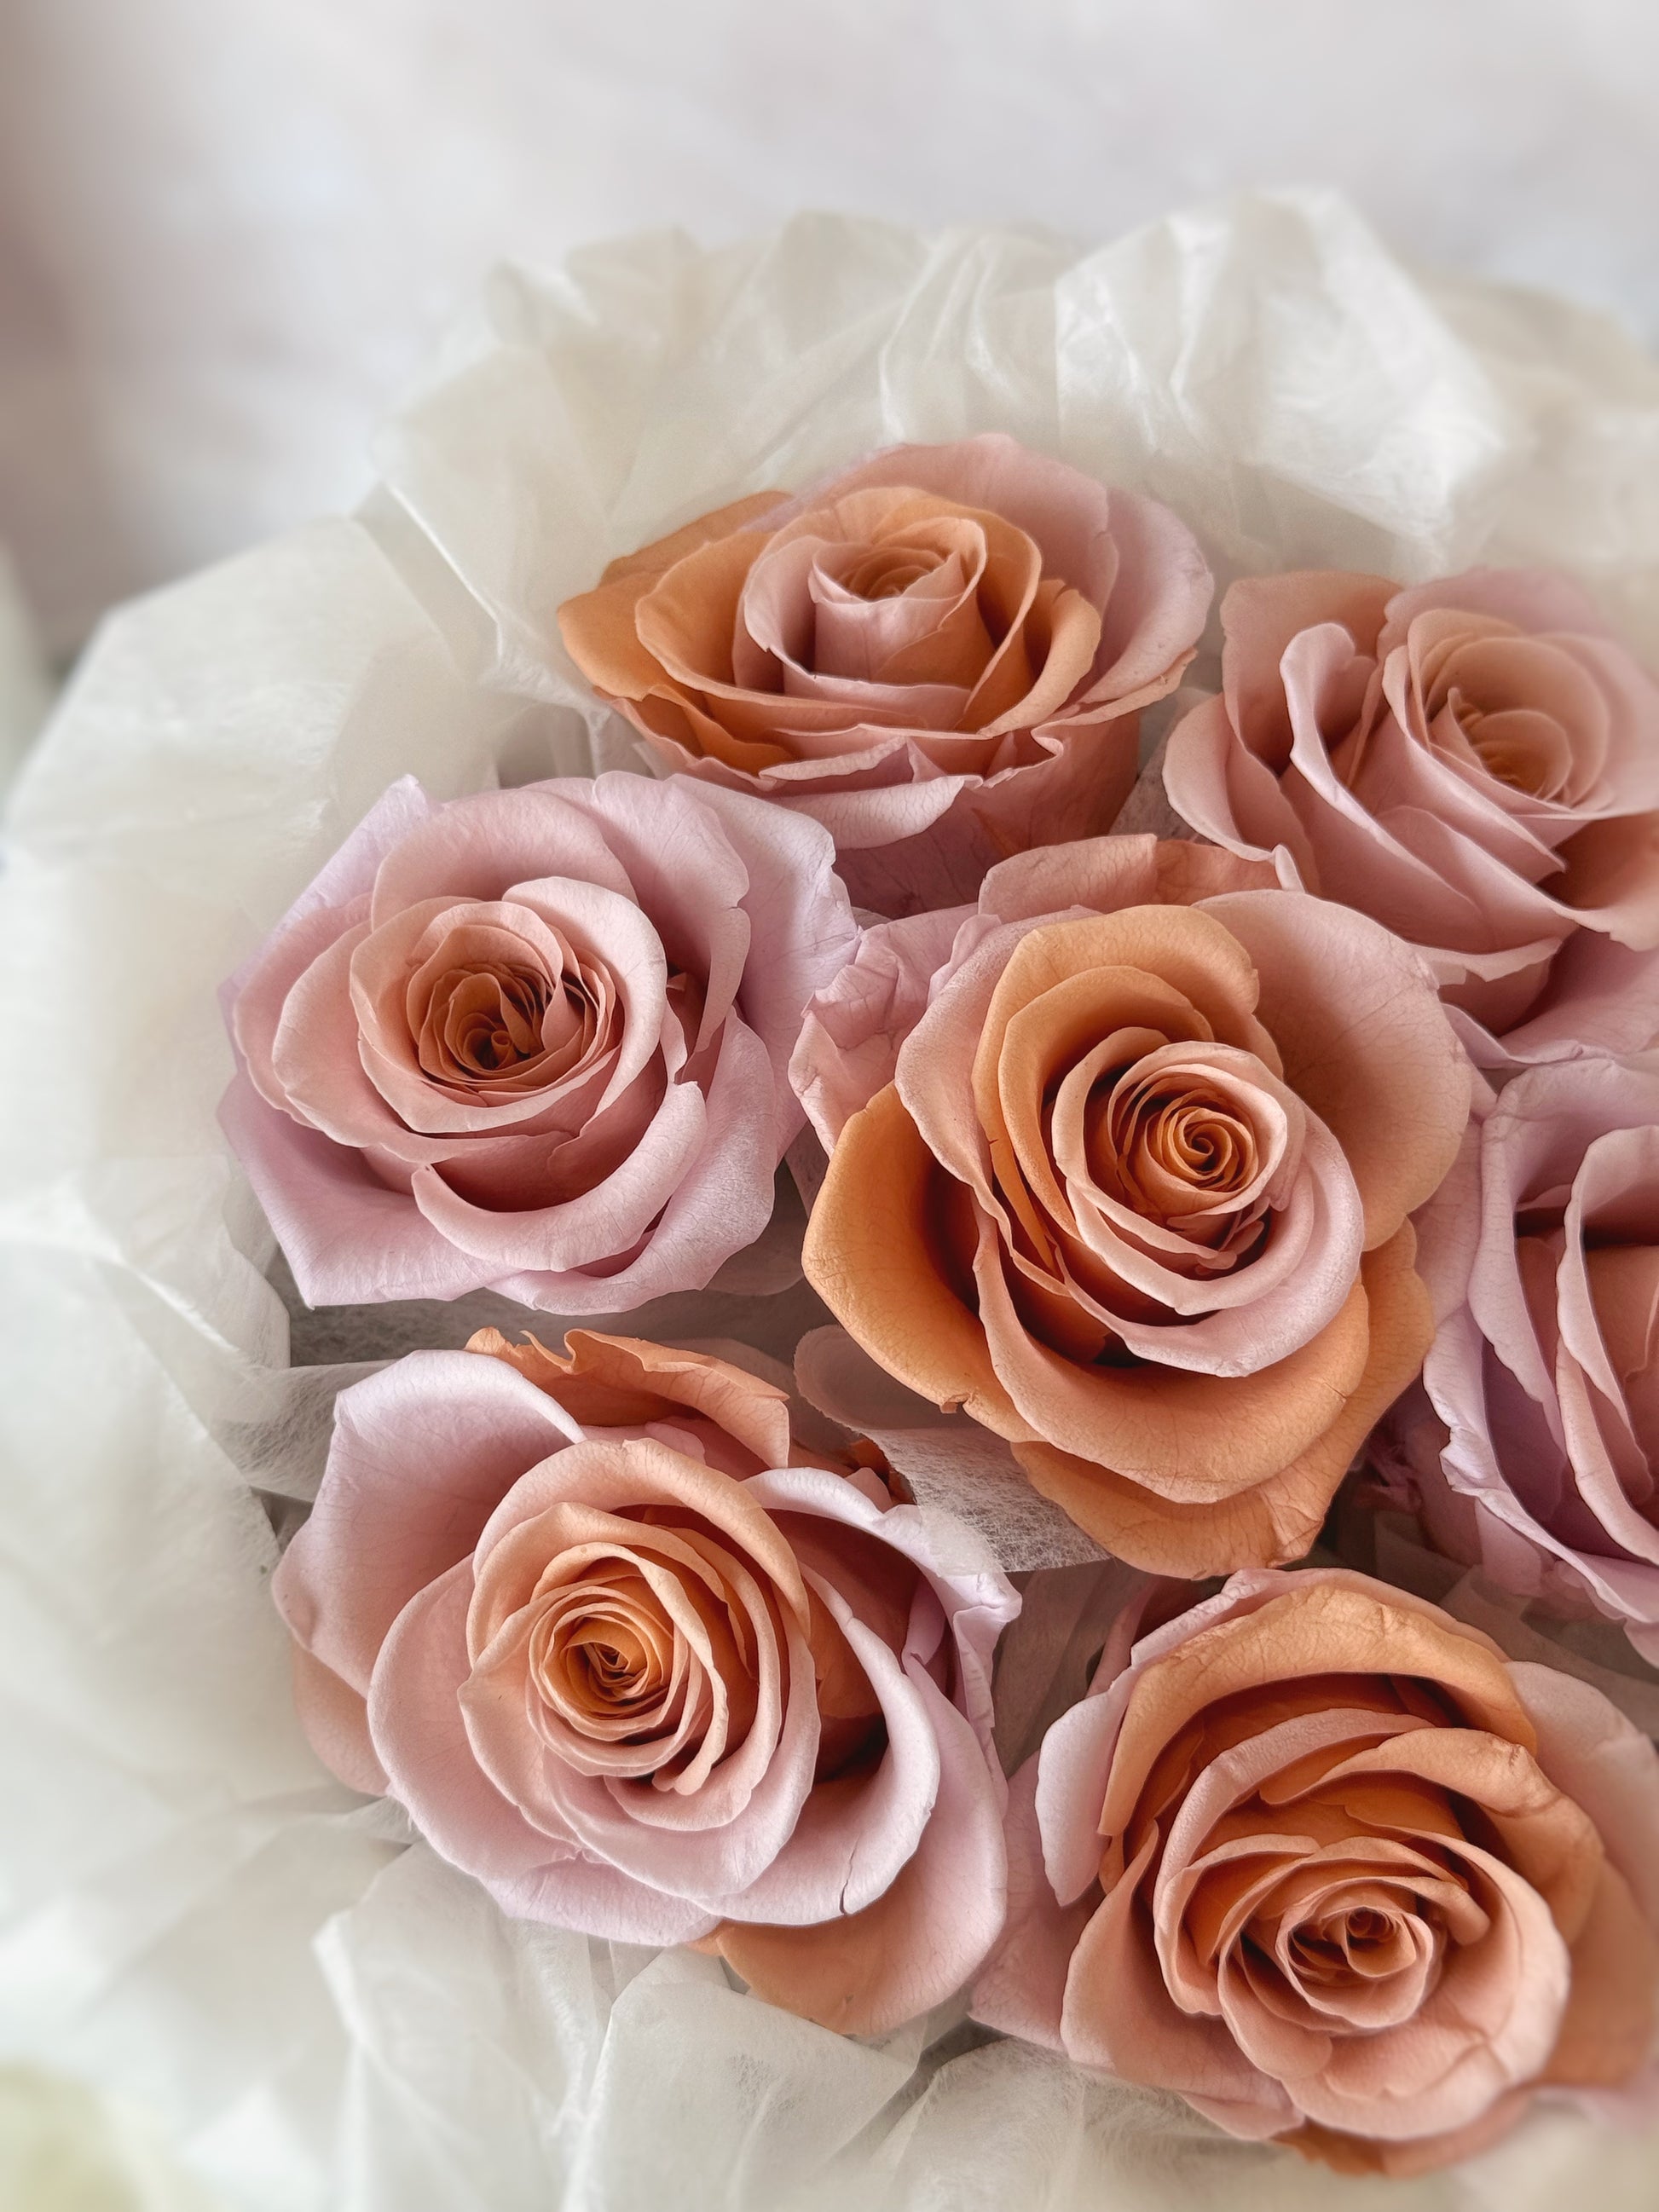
x=490, y=1006
x=607, y=1660
x=1173, y=1140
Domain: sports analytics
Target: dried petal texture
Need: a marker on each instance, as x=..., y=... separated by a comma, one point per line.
x=1473, y=762
x=536, y=1040
x=1135, y=1191
x=645, y=1679
x=940, y=654
x=1322, y=1860
x=1542, y=1246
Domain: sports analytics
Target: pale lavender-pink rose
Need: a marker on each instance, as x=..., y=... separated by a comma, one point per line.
x=1473, y=762
x=1533, y=1447
x=644, y=1678
x=536, y=1040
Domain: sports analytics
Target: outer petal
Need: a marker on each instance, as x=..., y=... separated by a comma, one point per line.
x=254, y=994
x=614, y=1382
x=853, y=1029
x=929, y=1931
x=349, y=1238
x=977, y=1605
x=869, y=1256
x=335, y=1717
x=1021, y=1988
x=719, y=1206
x=1279, y=1517
x=423, y=1454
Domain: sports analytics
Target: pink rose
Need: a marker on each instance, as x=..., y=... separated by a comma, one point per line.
x=939, y=654
x=536, y=1039
x=1474, y=763
x=1319, y=1858
x=644, y=1678
x=1542, y=1250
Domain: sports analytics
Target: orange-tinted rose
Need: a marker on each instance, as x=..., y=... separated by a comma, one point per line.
x=1136, y=1195
x=1321, y=1859
x=939, y=654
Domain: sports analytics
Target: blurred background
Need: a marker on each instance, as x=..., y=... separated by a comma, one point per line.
x=229, y=229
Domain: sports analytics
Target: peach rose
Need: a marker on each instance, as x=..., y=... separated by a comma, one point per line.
x=1320, y=1859
x=1474, y=763
x=623, y=1653
x=939, y=654
x=536, y=1040
x=1134, y=1182
x=1542, y=1250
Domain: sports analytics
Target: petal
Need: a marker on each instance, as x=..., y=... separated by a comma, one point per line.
x=1119, y=2017
x=422, y=1454
x=853, y=1028
x=614, y=1382
x=335, y=1717
x=349, y=1238
x=1364, y=1041
x=721, y=1205
x=1260, y=615
x=869, y=1254
x=1188, y=1437
x=1021, y=1988
x=416, y=1716
x=477, y=847
x=868, y=1971
x=854, y=1836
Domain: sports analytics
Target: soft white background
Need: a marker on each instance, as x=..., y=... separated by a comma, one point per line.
x=228, y=231
x=228, y=228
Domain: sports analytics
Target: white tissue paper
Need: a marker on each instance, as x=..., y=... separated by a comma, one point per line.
x=313, y=2009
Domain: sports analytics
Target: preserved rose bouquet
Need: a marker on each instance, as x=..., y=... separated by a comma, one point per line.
x=974, y=1289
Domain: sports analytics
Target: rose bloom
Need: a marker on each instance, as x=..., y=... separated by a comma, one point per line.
x=623, y=1657
x=1542, y=1249
x=1474, y=763
x=1132, y=1183
x=1321, y=1859
x=535, y=1039
x=939, y=654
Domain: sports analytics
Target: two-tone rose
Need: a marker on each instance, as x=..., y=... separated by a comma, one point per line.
x=940, y=653
x=1323, y=1860
x=1121, y=1162
x=637, y=1660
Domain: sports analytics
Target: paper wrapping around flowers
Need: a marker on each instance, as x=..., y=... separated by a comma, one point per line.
x=317, y=2014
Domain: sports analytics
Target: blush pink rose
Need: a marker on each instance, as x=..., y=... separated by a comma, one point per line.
x=537, y=1040
x=1120, y=1163
x=1542, y=1249
x=643, y=1677
x=1474, y=763
x=1320, y=1859
x=940, y=654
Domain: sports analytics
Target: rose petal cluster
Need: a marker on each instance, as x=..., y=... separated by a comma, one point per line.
x=940, y=654
x=536, y=1040
x=1474, y=763
x=1123, y=1166
x=645, y=1678
x=1536, y=1450
x=1322, y=1860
